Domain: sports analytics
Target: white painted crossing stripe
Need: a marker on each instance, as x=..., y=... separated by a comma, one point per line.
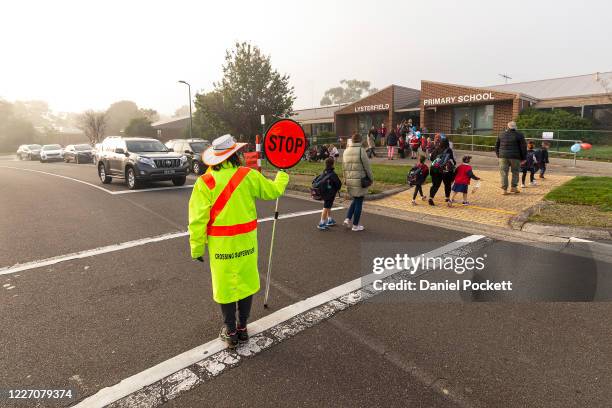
x=125, y=245
x=166, y=368
x=144, y=190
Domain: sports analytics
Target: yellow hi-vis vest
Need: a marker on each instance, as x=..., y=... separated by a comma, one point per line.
x=222, y=213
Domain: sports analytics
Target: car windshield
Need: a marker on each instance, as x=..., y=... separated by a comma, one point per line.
x=198, y=147
x=82, y=147
x=52, y=147
x=145, y=146
x=34, y=147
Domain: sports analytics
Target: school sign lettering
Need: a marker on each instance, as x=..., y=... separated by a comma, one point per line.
x=478, y=97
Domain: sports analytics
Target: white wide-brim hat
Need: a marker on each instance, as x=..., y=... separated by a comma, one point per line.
x=221, y=149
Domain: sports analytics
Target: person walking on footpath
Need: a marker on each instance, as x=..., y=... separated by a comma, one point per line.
x=511, y=150
x=542, y=157
x=391, y=143
x=222, y=215
x=357, y=178
x=371, y=142
x=442, y=169
x=417, y=176
x=325, y=187
x=529, y=165
x=463, y=175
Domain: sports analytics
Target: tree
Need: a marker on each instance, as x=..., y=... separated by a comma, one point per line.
x=556, y=119
x=119, y=114
x=351, y=90
x=250, y=87
x=140, y=127
x=14, y=130
x=93, y=124
x=150, y=114
x=182, y=111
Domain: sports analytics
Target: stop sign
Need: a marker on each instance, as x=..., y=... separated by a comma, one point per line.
x=284, y=143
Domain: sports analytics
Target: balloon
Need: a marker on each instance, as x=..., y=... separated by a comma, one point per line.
x=585, y=146
x=418, y=134
x=575, y=148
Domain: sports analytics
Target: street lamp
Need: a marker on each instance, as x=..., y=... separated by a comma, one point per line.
x=190, y=116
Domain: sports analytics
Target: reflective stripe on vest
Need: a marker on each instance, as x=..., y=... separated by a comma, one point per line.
x=219, y=205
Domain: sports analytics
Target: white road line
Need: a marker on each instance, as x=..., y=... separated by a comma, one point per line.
x=60, y=176
x=166, y=368
x=125, y=245
x=144, y=190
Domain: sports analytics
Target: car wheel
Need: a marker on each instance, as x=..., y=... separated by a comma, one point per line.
x=130, y=179
x=197, y=168
x=102, y=174
x=179, y=181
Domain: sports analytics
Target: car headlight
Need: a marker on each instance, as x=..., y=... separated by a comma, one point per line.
x=183, y=160
x=146, y=160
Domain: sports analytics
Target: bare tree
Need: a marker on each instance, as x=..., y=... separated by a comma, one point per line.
x=93, y=124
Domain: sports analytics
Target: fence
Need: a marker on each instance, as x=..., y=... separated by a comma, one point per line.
x=559, y=145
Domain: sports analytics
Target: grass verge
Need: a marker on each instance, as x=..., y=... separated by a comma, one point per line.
x=582, y=201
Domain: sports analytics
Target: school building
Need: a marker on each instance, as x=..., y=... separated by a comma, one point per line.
x=454, y=108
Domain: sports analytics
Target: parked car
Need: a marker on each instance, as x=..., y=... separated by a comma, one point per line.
x=96, y=150
x=81, y=153
x=51, y=152
x=192, y=148
x=28, y=152
x=138, y=160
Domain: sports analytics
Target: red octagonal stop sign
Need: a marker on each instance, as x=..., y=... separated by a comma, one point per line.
x=284, y=143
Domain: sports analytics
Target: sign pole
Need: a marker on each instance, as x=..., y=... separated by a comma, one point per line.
x=270, y=256
x=284, y=145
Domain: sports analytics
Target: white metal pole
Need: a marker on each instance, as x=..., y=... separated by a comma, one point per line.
x=270, y=257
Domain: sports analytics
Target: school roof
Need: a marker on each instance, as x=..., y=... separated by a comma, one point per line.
x=172, y=123
x=320, y=114
x=581, y=85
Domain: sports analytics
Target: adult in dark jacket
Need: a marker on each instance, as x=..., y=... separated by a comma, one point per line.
x=391, y=143
x=443, y=174
x=511, y=149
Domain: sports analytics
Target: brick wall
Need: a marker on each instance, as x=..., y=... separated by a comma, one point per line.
x=346, y=119
x=439, y=118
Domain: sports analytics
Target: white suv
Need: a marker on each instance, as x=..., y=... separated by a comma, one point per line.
x=51, y=152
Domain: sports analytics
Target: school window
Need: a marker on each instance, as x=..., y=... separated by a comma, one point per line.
x=473, y=119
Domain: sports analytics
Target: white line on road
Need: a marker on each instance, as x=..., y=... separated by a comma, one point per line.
x=144, y=190
x=125, y=245
x=166, y=368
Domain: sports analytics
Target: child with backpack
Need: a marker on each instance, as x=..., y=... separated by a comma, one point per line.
x=542, y=157
x=417, y=177
x=529, y=165
x=324, y=188
x=463, y=174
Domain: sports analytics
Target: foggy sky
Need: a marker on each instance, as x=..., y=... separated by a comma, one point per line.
x=87, y=54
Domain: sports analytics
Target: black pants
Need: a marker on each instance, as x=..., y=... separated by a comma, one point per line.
x=437, y=179
x=418, y=188
x=531, y=175
x=229, y=312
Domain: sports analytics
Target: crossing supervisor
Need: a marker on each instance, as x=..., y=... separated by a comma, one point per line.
x=222, y=214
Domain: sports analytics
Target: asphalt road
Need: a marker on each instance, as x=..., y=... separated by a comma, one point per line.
x=88, y=323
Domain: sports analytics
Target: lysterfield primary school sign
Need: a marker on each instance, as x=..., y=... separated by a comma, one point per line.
x=370, y=108
x=478, y=97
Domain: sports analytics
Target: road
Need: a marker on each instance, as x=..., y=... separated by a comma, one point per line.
x=98, y=286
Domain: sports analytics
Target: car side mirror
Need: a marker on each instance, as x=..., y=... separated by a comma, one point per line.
x=119, y=150
x=188, y=152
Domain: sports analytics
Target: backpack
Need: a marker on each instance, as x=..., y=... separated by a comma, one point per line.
x=322, y=188
x=442, y=164
x=414, y=175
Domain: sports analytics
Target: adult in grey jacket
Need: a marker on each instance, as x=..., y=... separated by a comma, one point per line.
x=511, y=149
x=356, y=166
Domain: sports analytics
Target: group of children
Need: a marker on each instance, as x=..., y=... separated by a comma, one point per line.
x=327, y=184
x=462, y=177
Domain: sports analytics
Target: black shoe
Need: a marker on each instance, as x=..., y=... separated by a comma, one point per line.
x=231, y=339
x=243, y=334
x=430, y=201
